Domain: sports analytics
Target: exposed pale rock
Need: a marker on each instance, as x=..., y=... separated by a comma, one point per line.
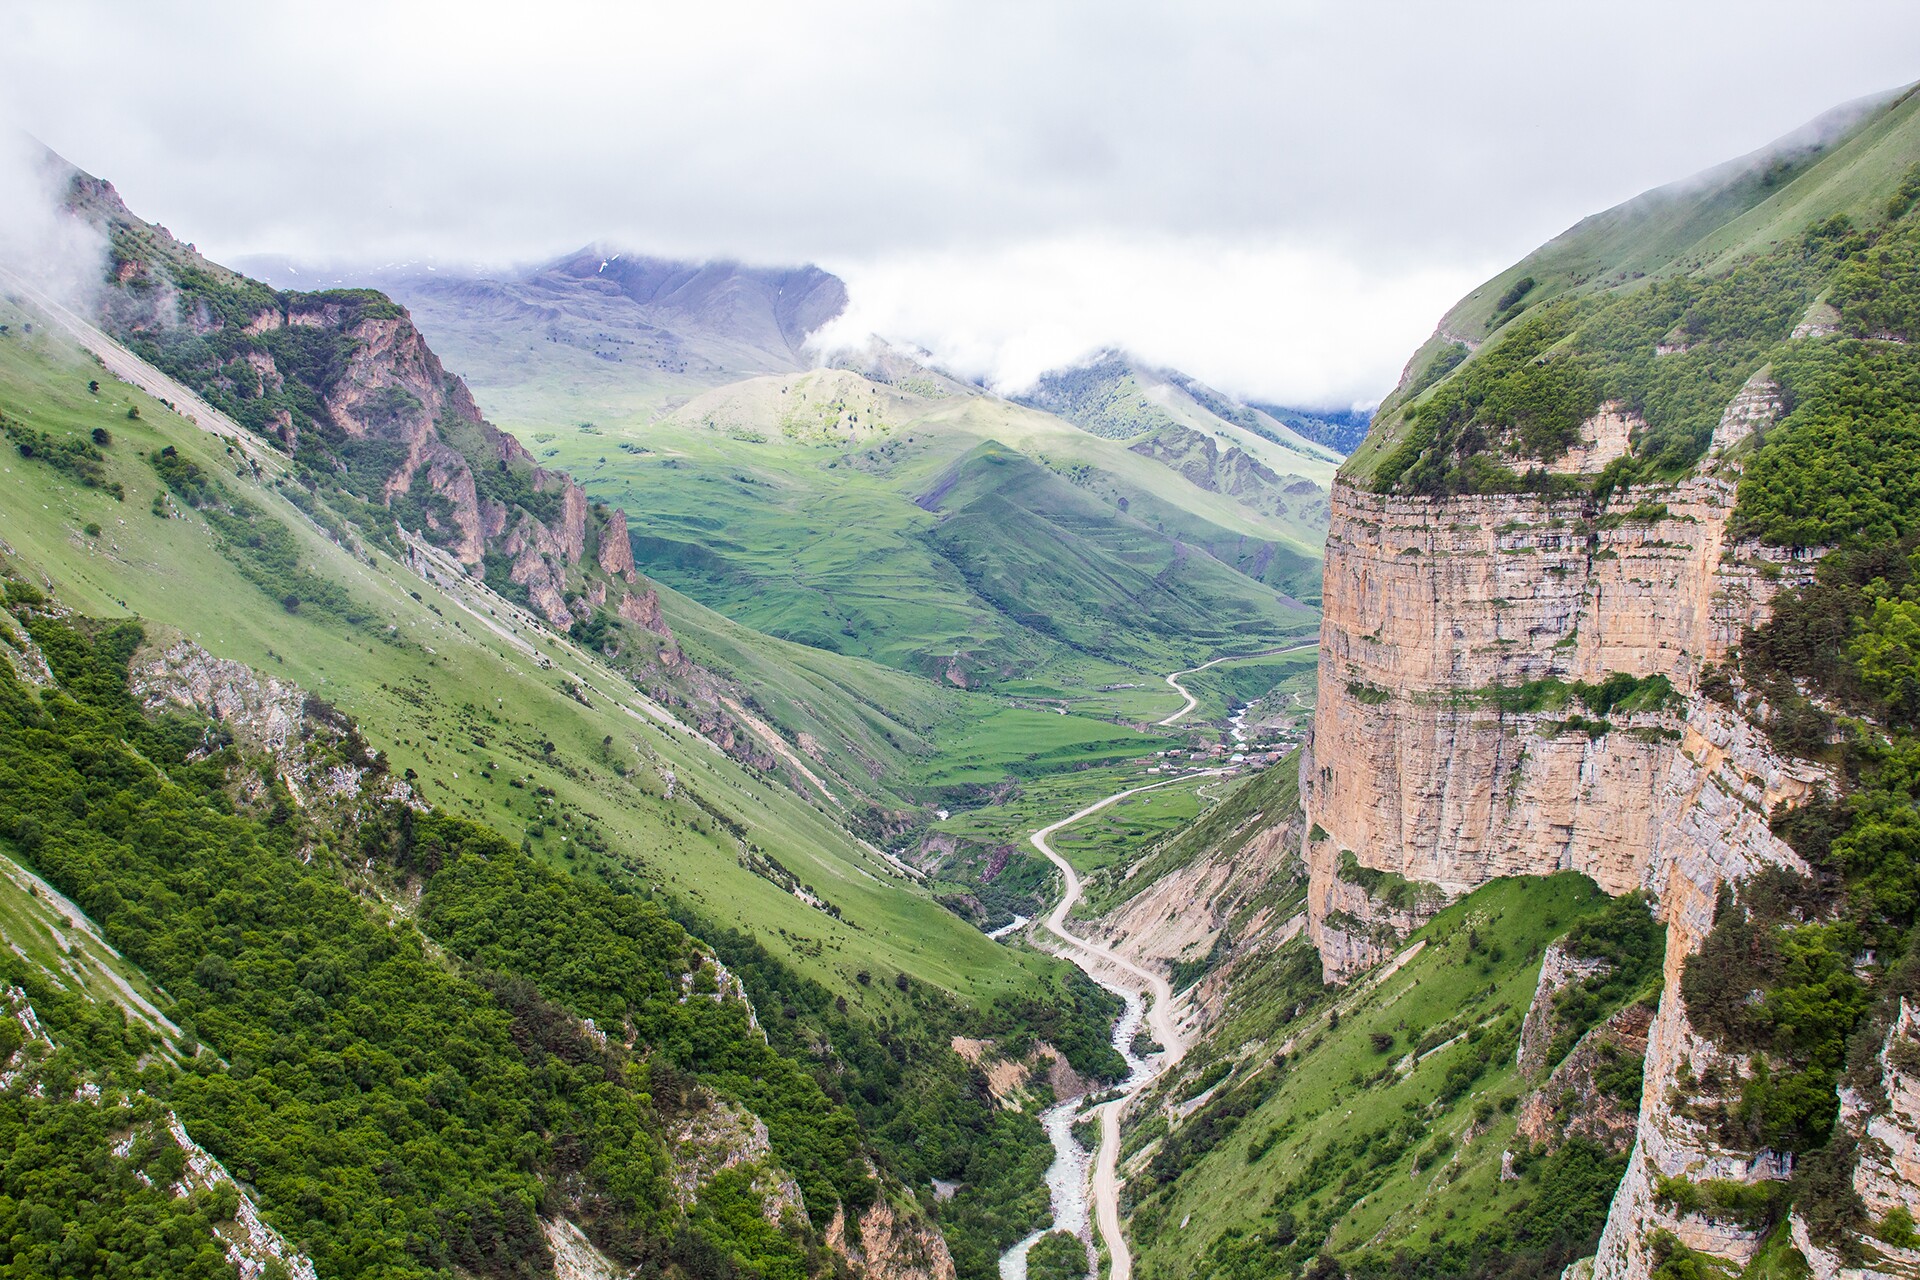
x=1547, y=1118
x=616, y=548
x=251, y=1244
x=1558, y=971
x=642, y=608
x=891, y=1246
x=1888, y=1175
x=1432, y=603
x=574, y=1256
x=722, y=1135
x=1605, y=436
x=264, y=713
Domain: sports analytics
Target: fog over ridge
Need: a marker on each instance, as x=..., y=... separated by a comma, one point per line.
x=1278, y=198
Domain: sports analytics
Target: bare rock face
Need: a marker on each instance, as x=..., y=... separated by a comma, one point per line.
x=891, y=1245
x=616, y=549
x=1433, y=606
x=1558, y=971
x=316, y=751
x=721, y=1135
x=1888, y=1128
x=1356, y=928
x=574, y=1256
x=1429, y=763
x=264, y=713
x=23, y=655
x=1884, y=1122
x=1571, y=1103
x=251, y=1245
x=642, y=608
x=391, y=421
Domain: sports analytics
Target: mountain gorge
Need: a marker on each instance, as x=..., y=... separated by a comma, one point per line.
x=317, y=657
x=723, y=813
x=1610, y=597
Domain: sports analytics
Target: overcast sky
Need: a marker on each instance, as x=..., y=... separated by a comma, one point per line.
x=1280, y=197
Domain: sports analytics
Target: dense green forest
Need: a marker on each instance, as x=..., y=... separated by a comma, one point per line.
x=1838, y=663
x=388, y=1036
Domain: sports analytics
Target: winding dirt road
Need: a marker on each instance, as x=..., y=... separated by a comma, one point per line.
x=1113, y=970
x=1192, y=701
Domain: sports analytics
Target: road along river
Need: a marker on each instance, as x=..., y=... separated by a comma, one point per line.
x=1149, y=1000
x=1192, y=702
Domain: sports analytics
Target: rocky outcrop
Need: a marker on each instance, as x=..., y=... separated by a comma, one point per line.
x=1559, y=970
x=316, y=750
x=23, y=655
x=1356, y=928
x=1888, y=1127
x=377, y=408
x=574, y=1256
x=642, y=609
x=1571, y=1103
x=263, y=713
x=251, y=1245
x=616, y=547
x=722, y=1135
x=1883, y=1120
x=891, y=1245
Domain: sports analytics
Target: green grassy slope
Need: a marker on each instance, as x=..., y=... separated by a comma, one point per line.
x=1121, y=398
x=789, y=505
x=468, y=696
x=1846, y=164
x=1371, y=1119
x=1061, y=563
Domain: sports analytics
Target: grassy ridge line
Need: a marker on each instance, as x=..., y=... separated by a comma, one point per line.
x=413, y=680
x=1700, y=225
x=824, y=543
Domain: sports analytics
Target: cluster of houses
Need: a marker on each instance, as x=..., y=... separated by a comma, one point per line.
x=1257, y=755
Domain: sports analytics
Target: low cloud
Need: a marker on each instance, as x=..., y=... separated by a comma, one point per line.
x=1269, y=321
x=41, y=245
x=1282, y=195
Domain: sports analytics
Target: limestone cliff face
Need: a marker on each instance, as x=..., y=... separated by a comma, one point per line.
x=1438, y=612
x=1433, y=605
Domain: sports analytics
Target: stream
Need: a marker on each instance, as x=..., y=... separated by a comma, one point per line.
x=1074, y=1170
x=1072, y=1166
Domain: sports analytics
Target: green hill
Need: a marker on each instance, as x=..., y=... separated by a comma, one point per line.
x=790, y=505
x=1665, y=303
x=123, y=512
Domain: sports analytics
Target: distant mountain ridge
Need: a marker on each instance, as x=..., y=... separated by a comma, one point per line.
x=602, y=330
x=1116, y=394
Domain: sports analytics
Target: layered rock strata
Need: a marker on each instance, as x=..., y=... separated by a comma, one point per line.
x=1452, y=744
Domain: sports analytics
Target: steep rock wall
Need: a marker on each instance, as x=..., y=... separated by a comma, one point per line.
x=1438, y=612
x=376, y=405
x=1431, y=605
